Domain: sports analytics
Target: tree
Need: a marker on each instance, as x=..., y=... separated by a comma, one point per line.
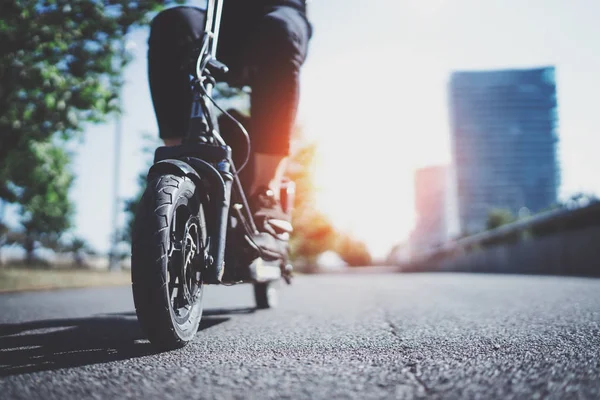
x=498, y=217
x=45, y=207
x=78, y=247
x=61, y=65
x=353, y=251
x=313, y=232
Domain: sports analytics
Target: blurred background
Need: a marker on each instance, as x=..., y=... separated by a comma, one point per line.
x=427, y=129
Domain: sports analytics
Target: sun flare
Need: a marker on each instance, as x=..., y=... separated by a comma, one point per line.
x=370, y=140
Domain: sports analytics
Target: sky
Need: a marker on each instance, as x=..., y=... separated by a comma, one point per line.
x=373, y=97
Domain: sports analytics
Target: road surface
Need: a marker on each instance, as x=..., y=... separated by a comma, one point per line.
x=356, y=336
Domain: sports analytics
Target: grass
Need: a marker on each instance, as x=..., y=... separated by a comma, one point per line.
x=22, y=278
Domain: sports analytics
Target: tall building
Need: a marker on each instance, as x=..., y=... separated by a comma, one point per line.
x=504, y=135
x=436, y=208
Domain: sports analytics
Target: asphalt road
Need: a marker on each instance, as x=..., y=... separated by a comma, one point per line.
x=334, y=336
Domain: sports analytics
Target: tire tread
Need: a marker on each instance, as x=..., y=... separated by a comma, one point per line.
x=150, y=241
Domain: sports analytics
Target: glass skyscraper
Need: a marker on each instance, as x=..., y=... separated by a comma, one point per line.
x=504, y=139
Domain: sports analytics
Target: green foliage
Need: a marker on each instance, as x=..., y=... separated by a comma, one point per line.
x=498, y=217
x=61, y=64
x=45, y=203
x=42, y=181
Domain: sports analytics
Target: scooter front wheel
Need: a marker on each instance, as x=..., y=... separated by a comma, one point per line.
x=168, y=239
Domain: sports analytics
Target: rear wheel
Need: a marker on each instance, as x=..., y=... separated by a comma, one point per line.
x=265, y=295
x=168, y=248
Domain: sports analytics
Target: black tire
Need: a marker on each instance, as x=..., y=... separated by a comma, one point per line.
x=265, y=295
x=156, y=270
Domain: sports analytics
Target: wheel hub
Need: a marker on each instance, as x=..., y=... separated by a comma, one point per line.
x=190, y=270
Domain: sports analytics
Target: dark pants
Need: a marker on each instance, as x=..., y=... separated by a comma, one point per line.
x=264, y=47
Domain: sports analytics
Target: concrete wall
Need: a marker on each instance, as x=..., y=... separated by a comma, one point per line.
x=571, y=252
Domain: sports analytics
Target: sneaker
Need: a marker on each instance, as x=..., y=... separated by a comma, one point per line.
x=268, y=214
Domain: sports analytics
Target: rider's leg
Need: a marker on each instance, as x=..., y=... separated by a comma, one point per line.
x=278, y=50
x=269, y=170
x=171, y=33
